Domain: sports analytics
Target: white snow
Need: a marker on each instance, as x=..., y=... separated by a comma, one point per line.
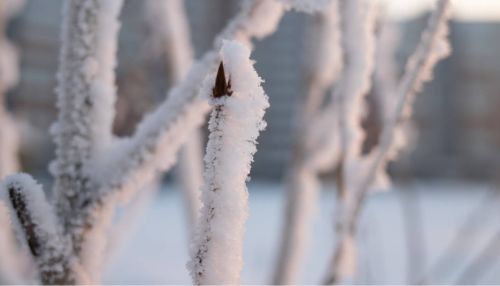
x=156, y=252
x=102, y=79
x=235, y=124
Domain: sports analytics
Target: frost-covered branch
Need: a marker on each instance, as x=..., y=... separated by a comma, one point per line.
x=322, y=64
x=170, y=29
x=36, y=224
x=236, y=120
x=161, y=133
x=432, y=48
x=86, y=96
x=88, y=181
x=358, y=24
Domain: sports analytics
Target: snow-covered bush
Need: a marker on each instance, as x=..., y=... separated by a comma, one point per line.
x=330, y=135
x=94, y=172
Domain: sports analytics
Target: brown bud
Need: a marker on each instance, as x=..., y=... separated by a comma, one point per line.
x=221, y=87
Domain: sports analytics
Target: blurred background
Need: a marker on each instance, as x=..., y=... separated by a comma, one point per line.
x=455, y=117
x=451, y=165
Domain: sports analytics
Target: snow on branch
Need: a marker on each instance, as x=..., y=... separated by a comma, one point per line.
x=91, y=187
x=432, y=47
x=86, y=96
x=36, y=224
x=235, y=123
x=359, y=49
x=153, y=148
x=358, y=41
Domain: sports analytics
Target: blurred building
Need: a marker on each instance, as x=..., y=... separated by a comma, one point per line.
x=455, y=115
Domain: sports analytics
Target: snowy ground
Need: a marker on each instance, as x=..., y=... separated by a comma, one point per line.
x=156, y=250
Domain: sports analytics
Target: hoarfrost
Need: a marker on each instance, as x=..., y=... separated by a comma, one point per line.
x=235, y=123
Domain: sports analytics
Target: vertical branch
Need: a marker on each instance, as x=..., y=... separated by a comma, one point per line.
x=86, y=95
x=88, y=185
x=237, y=118
x=385, y=85
x=432, y=48
x=358, y=23
x=37, y=225
x=169, y=23
x=322, y=64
